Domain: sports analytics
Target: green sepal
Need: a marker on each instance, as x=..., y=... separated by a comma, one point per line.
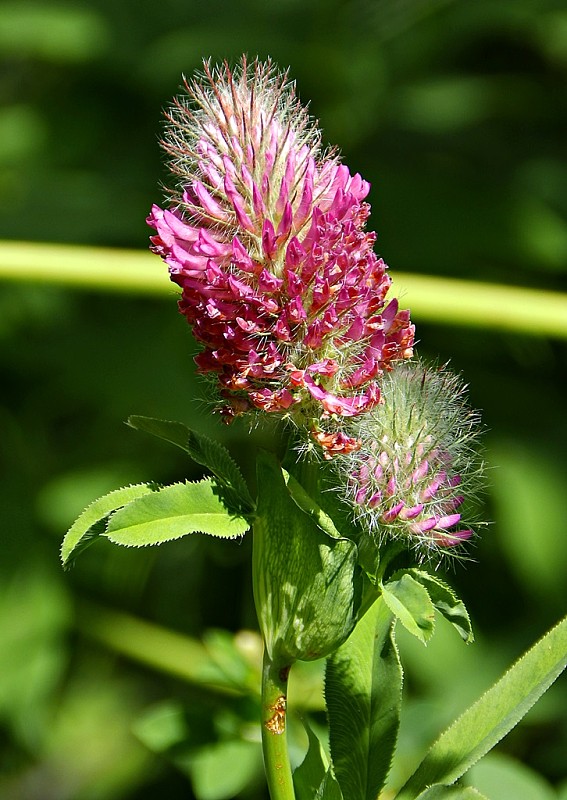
x=446, y=602
x=173, y=512
x=440, y=792
x=410, y=602
x=494, y=715
x=92, y=522
x=204, y=451
x=309, y=775
x=363, y=692
x=306, y=584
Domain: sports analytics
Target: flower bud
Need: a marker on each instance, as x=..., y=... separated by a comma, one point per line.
x=266, y=237
x=417, y=462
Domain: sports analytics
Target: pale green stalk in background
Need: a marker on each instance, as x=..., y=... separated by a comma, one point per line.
x=444, y=301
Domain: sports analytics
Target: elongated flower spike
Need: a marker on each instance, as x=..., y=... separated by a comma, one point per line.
x=266, y=237
x=417, y=462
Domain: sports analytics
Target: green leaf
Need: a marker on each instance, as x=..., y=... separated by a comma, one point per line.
x=305, y=583
x=172, y=512
x=409, y=601
x=309, y=506
x=309, y=775
x=329, y=789
x=92, y=522
x=485, y=723
x=363, y=690
x=206, y=452
x=173, y=432
x=446, y=602
x=440, y=792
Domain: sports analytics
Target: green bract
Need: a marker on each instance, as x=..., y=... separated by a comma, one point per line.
x=305, y=581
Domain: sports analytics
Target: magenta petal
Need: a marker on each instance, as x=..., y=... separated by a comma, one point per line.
x=268, y=239
x=448, y=521
x=411, y=513
x=285, y=223
x=208, y=203
x=392, y=513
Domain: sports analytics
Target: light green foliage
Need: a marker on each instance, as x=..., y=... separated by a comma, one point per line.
x=217, y=754
x=363, y=691
x=224, y=769
x=173, y=512
x=483, y=725
x=144, y=515
x=92, y=522
x=309, y=506
x=52, y=32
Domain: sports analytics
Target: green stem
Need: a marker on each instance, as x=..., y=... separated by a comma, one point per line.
x=274, y=734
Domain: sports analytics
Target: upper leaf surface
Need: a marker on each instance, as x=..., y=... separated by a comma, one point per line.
x=172, y=512
x=91, y=523
x=309, y=506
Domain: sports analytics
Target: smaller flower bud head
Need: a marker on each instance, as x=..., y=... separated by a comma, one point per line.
x=417, y=460
x=266, y=237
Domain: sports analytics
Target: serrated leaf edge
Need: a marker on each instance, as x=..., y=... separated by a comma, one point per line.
x=209, y=480
x=85, y=512
x=478, y=701
x=471, y=790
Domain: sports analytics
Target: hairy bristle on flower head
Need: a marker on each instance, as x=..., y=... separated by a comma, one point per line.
x=266, y=237
x=418, y=461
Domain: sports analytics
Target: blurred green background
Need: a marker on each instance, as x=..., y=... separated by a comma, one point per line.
x=133, y=676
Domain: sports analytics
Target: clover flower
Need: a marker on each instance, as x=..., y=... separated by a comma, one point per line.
x=417, y=461
x=265, y=235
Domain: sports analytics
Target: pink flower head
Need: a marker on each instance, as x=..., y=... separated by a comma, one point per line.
x=266, y=237
x=416, y=464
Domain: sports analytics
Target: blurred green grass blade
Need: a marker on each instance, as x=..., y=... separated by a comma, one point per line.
x=157, y=647
x=494, y=715
x=444, y=301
